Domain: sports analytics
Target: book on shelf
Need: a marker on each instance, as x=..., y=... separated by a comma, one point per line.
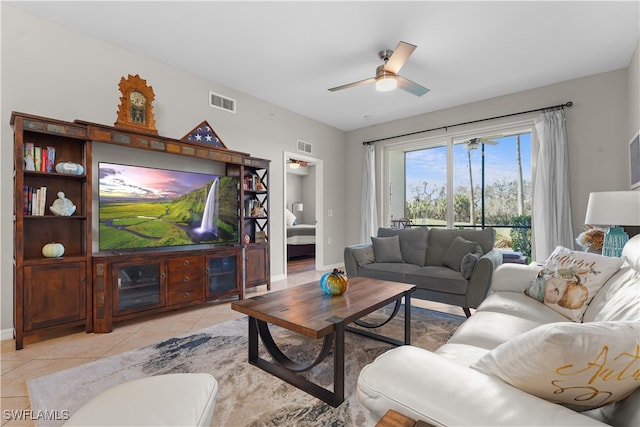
x=37, y=157
x=51, y=159
x=34, y=200
x=43, y=162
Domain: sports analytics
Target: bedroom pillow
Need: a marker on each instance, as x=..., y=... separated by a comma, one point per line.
x=290, y=218
x=569, y=280
x=579, y=365
x=456, y=251
x=387, y=249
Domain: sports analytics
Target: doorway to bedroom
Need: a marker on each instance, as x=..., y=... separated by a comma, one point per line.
x=302, y=212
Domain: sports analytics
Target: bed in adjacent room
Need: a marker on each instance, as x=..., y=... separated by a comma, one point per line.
x=301, y=238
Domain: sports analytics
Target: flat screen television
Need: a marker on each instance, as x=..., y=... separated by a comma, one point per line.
x=143, y=207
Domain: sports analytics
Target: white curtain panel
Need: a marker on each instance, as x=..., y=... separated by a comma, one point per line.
x=551, y=208
x=369, y=214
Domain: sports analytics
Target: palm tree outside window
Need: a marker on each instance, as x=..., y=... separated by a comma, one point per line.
x=469, y=182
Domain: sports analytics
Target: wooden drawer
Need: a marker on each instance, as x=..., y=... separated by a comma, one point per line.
x=183, y=272
x=184, y=294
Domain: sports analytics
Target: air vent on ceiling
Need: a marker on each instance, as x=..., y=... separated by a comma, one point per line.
x=222, y=102
x=305, y=147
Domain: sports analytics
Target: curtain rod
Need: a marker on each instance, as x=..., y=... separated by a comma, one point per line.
x=565, y=105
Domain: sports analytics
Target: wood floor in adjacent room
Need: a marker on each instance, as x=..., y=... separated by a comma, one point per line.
x=52, y=352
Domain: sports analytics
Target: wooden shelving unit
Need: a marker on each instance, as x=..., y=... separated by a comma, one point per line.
x=91, y=289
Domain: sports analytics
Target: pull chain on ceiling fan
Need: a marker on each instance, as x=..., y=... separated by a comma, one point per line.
x=387, y=77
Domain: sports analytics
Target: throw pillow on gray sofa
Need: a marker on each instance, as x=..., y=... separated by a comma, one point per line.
x=468, y=262
x=457, y=250
x=413, y=243
x=387, y=249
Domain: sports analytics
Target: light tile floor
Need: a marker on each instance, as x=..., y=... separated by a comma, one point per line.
x=59, y=350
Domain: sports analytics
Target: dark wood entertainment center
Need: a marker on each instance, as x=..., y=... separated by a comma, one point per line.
x=98, y=289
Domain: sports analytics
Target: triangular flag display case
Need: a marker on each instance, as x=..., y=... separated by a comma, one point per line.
x=59, y=282
x=204, y=134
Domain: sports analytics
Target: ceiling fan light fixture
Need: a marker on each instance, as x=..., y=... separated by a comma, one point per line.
x=386, y=82
x=294, y=164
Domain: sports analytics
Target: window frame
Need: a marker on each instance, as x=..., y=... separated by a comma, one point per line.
x=443, y=138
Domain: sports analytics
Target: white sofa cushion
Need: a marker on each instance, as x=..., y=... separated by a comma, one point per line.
x=486, y=329
x=521, y=306
x=618, y=299
x=425, y=386
x=570, y=279
x=583, y=366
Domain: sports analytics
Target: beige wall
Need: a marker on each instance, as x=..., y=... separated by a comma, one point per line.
x=633, y=90
x=52, y=71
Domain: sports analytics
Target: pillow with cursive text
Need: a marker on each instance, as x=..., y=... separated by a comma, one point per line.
x=579, y=365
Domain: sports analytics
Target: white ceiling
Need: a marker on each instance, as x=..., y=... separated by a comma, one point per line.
x=290, y=53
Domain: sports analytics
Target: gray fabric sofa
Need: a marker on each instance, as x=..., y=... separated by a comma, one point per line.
x=448, y=266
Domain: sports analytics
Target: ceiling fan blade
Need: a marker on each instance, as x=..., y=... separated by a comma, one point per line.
x=489, y=142
x=411, y=87
x=347, y=86
x=399, y=57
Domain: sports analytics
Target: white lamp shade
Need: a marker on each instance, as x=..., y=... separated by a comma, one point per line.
x=613, y=208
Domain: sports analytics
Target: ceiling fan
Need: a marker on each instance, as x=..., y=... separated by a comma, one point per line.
x=387, y=77
x=474, y=143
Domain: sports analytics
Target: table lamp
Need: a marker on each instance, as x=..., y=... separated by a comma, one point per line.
x=297, y=206
x=613, y=209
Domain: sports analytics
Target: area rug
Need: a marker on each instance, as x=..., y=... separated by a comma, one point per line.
x=247, y=395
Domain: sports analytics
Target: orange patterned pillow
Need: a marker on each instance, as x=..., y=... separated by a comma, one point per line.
x=569, y=280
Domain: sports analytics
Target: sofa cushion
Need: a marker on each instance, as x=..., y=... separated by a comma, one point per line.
x=618, y=299
x=413, y=243
x=519, y=305
x=440, y=239
x=488, y=330
x=391, y=271
x=580, y=365
x=570, y=279
x=387, y=249
x=462, y=354
x=456, y=251
x=441, y=279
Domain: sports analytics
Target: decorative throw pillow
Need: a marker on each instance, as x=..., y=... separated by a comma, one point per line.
x=289, y=217
x=387, y=249
x=466, y=266
x=458, y=248
x=580, y=365
x=569, y=280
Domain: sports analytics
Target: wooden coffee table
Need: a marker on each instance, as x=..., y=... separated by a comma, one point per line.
x=308, y=311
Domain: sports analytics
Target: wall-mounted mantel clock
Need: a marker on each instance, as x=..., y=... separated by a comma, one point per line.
x=135, y=111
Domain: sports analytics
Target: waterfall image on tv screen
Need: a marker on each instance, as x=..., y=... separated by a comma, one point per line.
x=142, y=207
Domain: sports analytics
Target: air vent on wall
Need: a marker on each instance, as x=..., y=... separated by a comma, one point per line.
x=305, y=147
x=222, y=102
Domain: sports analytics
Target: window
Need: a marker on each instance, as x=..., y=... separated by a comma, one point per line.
x=466, y=181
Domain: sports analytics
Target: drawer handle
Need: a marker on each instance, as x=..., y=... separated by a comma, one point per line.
x=186, y=263
x=186, y=294
x=186, y=279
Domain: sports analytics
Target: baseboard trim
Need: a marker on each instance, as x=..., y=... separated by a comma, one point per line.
x=6, y=334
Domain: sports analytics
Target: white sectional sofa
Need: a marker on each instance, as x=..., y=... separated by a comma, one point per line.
x=514, y=349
